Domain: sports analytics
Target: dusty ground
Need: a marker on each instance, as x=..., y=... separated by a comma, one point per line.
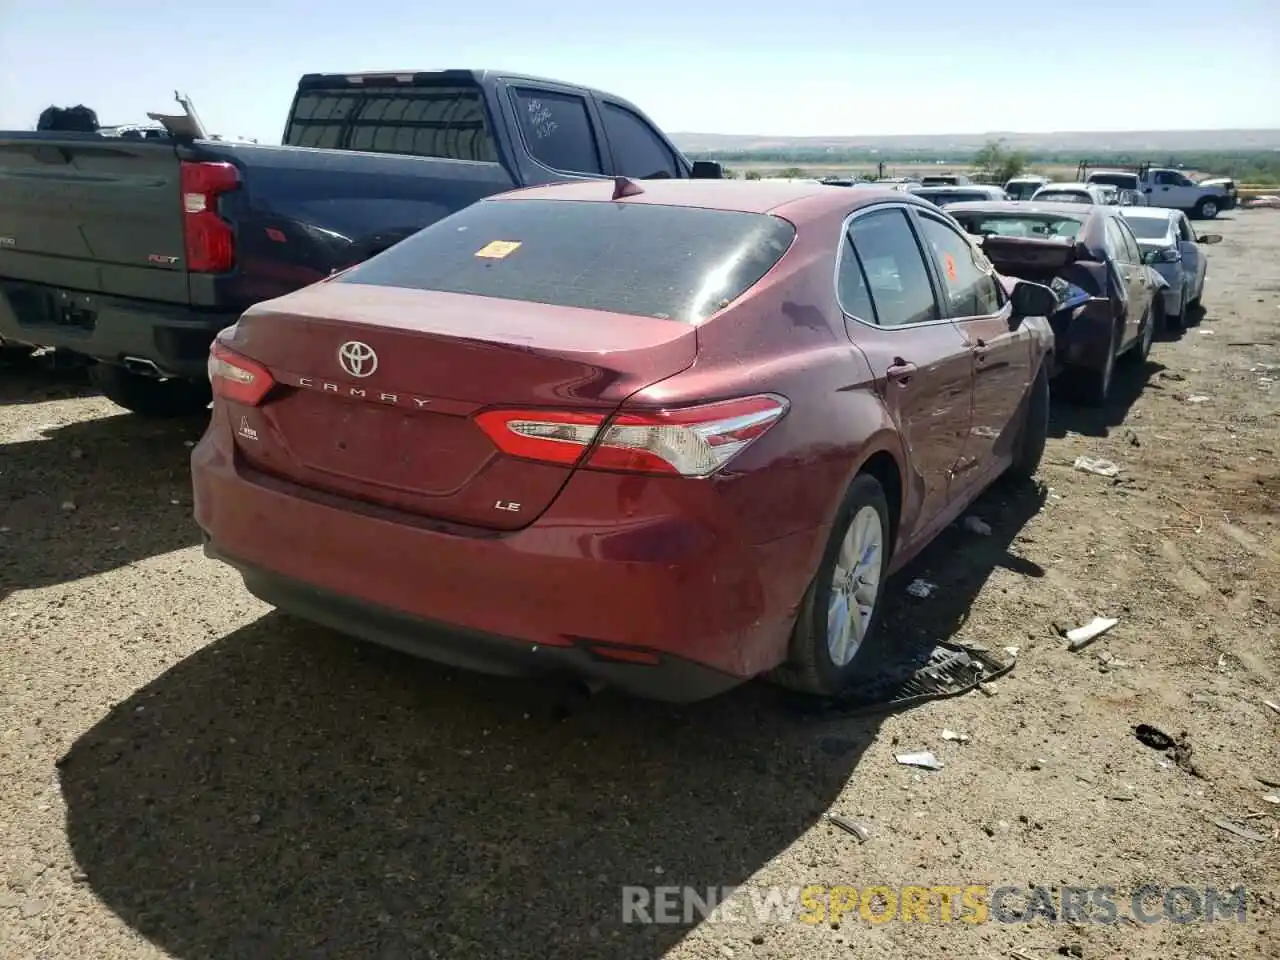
x=184, y=773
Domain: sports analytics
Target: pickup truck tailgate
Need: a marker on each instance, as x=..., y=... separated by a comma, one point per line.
x=90, y=214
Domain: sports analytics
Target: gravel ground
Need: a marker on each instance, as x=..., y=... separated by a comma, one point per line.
x=185, y=773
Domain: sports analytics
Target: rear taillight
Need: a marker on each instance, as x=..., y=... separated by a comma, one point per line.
x=211, y=246
x=687, y=441
x=237, y=378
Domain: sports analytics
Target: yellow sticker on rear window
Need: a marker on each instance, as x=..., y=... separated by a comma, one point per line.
x=497, y=249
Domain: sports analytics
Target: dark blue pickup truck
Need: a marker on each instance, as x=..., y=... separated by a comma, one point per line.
x=134, y=253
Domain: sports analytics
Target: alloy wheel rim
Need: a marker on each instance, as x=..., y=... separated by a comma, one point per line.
x=855, y=583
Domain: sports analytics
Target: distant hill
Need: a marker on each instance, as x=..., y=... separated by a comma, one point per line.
x=1130, y=141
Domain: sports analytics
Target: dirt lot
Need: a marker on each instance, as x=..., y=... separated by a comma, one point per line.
x=185, y=773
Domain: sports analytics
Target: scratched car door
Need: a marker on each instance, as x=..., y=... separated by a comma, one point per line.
x=1001, y=352
x=920, y=360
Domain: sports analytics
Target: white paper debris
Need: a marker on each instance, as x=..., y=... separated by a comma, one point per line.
x=1198, y=398
x=954, y=735
x=921, y=589
x=924, y=759
x=1103, y=468
x=1095, y=627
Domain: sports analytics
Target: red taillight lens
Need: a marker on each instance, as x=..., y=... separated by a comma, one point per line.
x=237, y=378
x=211, y=242
x=688, y=441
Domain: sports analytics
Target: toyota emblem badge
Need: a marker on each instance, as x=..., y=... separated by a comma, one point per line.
x=357, y=359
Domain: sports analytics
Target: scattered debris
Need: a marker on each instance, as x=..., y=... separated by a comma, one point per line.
x=1071, y=950
x=1267, y=781
x=848, y=826
x=1121, y=797
x=1081, y=637
x=988, y=689
x=1271, y=798
x=933, y=673
x=1197, y=398
x=1132, y=438
x=978, y=526
x=1022, y=955
x=1179, y=750
x=949, y=734
x=1096, y=465
x=1243, y=832
x=67, y=506
x=1171, y=375
x=921, y=589
x=1273, y=706
x=924, y=759
x=1012, y=651
x=1206, y=333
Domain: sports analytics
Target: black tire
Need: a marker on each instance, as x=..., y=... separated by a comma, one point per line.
x=1154, y=319
x=1177, y=323
x=1206, y=208
x=1093, y=387
x=1028, y=449
x=810, y=667
x=149, y=397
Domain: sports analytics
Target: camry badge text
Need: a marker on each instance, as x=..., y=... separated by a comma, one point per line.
x=360, y=393
x=357, y=359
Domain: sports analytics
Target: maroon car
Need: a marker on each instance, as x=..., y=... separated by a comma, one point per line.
x=666, y=436
x=1109, y=303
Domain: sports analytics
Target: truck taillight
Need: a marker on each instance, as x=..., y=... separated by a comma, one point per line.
x=210, y=240
x=237, y=378
x=686, y=441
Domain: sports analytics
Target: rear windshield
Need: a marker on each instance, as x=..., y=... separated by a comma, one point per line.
x=1018, y=225
x=1064, y=196
x=1124, y=181
x=1023, y=190
x=1148, y=228
x=674, y=263
x=446, y=122
x=952, y=196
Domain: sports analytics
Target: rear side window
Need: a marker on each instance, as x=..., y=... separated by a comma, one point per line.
x=557, y=131
x=895, y=269
x=445, y=122
x=674, y=263
x=637, y=149
x=970, y=288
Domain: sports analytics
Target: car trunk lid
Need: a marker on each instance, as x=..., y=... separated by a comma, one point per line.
x=378, y=385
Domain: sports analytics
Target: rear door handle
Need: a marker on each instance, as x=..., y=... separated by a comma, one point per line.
x=901, y=371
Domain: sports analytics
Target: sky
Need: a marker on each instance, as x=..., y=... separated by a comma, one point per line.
x=763, y=67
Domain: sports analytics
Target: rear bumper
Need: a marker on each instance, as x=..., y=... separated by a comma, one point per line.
x=672, y=678
x=172, y=336
x=1083, y=336
x=667, y=603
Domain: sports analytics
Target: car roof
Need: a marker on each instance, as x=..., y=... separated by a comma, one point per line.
x=1075, y=211
x=796, y=200
x=1064, y=184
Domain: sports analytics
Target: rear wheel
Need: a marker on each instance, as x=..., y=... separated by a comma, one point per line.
x=1093, y=386
x=833, y=634
x=1175, y=323
x=148, y=396
x=1206, y=208
x=1139, y=352
x=1029, y=448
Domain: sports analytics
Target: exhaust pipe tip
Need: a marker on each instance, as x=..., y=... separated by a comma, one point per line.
x=143, y=367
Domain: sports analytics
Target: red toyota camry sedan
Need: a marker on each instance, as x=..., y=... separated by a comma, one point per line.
x=662, y=435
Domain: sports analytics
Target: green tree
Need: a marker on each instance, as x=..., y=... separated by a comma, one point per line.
x=791, y=172
x=751, y=175
x=997, y=164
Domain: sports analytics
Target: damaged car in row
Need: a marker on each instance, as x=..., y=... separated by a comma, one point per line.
x=1109, y=302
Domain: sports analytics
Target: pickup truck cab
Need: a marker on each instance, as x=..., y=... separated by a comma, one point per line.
x=134, y=253
x=1174, y=190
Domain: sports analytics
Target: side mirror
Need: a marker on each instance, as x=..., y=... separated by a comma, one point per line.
x=1166, y=255
x=1210, y=238
x=707, y=170
x=1032, y=300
